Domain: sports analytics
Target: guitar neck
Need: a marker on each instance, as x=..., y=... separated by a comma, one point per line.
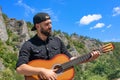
x=105, y=48
x=76, y=61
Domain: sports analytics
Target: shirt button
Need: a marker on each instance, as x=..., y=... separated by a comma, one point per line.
x=47, y=48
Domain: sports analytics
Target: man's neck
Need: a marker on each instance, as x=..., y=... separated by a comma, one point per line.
x=43, y=37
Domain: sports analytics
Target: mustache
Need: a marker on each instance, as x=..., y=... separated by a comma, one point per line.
x=50, y=29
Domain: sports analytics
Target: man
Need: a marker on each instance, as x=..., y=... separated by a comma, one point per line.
x=42, y=46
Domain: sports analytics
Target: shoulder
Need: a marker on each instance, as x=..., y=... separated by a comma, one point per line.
x=27, y=44
x=55, y=38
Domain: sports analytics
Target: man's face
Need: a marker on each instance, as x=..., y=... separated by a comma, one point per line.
x=46, y=27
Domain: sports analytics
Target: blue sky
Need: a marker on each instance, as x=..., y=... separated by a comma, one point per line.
x=99, y=19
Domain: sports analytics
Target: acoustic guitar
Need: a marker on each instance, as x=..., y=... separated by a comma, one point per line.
x=62, y=64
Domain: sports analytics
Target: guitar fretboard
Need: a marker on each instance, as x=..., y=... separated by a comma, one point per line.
x=76, y=61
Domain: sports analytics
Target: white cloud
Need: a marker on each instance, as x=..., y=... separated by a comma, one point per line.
x=85, y=20
x=28, y=9
x=116, y=11
x=109, y=26
x=98, y=25
x=51, y=13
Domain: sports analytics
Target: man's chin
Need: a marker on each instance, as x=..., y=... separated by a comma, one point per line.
x=48, y=34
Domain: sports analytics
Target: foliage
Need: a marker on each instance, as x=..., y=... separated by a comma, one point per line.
x=5, y=17
x=56, y=32
x=30, y=25
x=8, y=74
x=106, y=67
x=9, y=59
x=78, y=44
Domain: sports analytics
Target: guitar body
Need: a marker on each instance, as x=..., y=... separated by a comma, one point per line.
x=49, y=64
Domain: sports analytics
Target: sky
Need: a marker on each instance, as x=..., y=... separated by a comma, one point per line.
x=99, y=19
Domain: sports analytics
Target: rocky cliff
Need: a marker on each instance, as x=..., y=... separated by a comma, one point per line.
x=3, y=32
x=18, y=30
x=17, y=27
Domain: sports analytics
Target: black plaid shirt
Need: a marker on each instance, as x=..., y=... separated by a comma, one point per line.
x=35, y=48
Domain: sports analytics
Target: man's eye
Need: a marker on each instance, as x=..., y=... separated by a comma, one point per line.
x=48, y=24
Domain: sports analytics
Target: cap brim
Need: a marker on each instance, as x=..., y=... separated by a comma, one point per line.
x=33, y=29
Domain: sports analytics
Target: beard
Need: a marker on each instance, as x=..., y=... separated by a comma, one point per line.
x=46, y=32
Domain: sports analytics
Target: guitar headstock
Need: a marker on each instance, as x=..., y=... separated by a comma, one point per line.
x=107, y=47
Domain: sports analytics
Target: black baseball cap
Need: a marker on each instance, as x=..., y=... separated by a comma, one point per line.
x=40, y=17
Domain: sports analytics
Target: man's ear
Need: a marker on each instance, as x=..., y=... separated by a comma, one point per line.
x=37, y=26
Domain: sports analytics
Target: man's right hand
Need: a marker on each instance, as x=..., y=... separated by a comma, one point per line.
x=47, y=74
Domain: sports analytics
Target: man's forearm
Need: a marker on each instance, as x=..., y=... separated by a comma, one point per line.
x=28, y=70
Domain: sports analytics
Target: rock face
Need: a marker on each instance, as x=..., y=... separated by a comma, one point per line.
x=19, y=28
x=73, y=51
x=3, y=32
x=1, y=66
x=72, y=48
x=24, y=32
x=63, y=38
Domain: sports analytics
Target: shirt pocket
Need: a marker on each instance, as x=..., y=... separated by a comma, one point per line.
x=55, y=49
x=38, y=54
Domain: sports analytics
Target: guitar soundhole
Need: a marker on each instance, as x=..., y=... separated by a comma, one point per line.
x=58, y=69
